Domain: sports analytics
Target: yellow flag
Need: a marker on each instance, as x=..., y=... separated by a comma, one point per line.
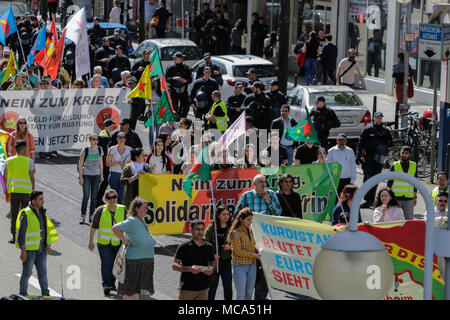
x=144, y=87
x=10, y=70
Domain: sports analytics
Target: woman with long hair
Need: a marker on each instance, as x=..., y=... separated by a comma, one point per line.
x=157, y=159
x=386, y=207
x=244, y=254
x=236, y=37
x=223, y=257
x=118, y=156
x=21, y=133
x=139, y=262
x=311, y=51
x=345, y=202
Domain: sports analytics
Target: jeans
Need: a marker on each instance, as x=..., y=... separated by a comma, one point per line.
x=225, y=274
x=310, y=67
x=290, y=153
x=408, y=208
x=90, y=187
x=244, y=276
x=39, y=259
x=108, y=254
x=150, y=133
x=114, y=183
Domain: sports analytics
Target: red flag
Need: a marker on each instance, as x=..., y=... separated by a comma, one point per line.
x=52, y=65
x=43, y=56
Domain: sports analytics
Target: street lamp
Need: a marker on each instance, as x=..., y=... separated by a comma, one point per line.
x=355, y=260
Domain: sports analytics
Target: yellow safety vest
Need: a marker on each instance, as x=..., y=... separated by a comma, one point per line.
x=18, y=177
x=33, y=235
x=402, y=188
x=105, y=234
x=221, y=122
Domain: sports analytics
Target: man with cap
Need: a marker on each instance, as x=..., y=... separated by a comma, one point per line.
x=373, y=148
x=258, y=106
x=96, y=32
x=103, y=54
x=346, y=157
x=179, y=76
x=137, y=105
x=235, y=101
x=104, y=141
x=117, y=40
x=324, y=119
x=277, y=99
x=139, y=66
x=131, y=138
x=252, y=78
x=118, y=61
x=201, y=93
x=216, y=75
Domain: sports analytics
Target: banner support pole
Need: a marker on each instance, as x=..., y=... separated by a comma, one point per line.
x=213, y=209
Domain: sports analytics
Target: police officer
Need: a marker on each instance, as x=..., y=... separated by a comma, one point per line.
x=252, y=78
x=258, y=106
x=235, y=101
x=324, y=119
x=140, y=65
x=118, y=61
x=216, y=75
x=277, y=99
x=96, y=32
x=27, y=24
x=373, y=147
x=179, y=77
x=103, y=55
x=201, y=94
x=117, y=40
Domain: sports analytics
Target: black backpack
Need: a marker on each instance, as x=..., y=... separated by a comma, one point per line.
x=86, y=152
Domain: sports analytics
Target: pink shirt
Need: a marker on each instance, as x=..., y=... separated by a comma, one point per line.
x=392, y=214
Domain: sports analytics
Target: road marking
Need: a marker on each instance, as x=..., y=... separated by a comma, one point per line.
x=35, y=283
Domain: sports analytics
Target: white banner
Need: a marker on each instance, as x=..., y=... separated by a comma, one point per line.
x=77, y=32
x=62, y=119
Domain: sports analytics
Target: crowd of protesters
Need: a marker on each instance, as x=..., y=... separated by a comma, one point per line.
x=110, y=166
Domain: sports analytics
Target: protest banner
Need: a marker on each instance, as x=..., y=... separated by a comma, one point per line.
x=62, y=119
x=289, y=246
x=170, y=208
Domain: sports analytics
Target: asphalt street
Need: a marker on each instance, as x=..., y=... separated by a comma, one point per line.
x=57, y=178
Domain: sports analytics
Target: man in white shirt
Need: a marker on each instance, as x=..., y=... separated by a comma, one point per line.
x=346, y=157
x=346, y=70
x=440, y=209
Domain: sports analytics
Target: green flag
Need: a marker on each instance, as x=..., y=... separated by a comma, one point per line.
x=156, y=68
x=303, y=132
x=201, y=171
x=163, y=112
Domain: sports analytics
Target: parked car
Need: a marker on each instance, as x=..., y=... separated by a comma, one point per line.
x=350, y=110
x=124, y=32
x=167, y=48
x=234, y=68
x=19, y=8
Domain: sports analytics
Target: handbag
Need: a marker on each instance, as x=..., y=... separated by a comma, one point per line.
x=155, y=21
x=410, y=91
x=118, y=270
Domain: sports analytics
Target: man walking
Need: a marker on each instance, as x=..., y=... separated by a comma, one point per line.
x=346, y=157
x=346, y=71
x=35, y=234
x=373, y=147
x=405, y=193
x=196, y=262
x=179, y=76
x=19, y=181
x=328, y=58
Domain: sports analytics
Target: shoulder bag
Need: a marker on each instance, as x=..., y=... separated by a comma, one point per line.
x=347, y=70
x=118, y=270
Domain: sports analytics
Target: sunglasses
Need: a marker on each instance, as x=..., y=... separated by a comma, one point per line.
x=21, y=123
x=444, y=201
x=120, y=137
x=111, y=197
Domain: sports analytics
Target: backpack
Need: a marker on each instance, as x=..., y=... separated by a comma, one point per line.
x=268, y=52
x=86, y=152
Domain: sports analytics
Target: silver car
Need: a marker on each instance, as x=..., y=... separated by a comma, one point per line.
x=350, y=110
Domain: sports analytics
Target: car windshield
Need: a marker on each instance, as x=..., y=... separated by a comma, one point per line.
x=191, y=52
x=262, y=71
x=144, y=46
x=18, y=9
x=336, y=98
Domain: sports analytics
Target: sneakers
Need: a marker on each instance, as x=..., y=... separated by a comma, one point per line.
x=8, y=215
x=12, y=241
x=106, y=291
x=82, y=219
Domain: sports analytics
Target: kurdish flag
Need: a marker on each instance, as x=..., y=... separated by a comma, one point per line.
x=201, y=170
x=156, y=68
x=4, y=136
x=39, y=45
x=163, y=111
x=303, y=132
x=7, y=25
x=144, y=87
x=10, y=70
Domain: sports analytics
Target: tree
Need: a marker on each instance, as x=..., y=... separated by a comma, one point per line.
x=142, y=20
x=283, y=48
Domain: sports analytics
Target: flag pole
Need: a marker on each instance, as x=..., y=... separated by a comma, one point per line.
x=213, y=209
x=21, y=47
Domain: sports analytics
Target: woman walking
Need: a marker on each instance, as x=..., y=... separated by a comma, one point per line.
x=118, y=156
x=90, y=168
x=133, y=232
x=108, y=244
x=244, y=254
x=311, y=51
x=222, y=227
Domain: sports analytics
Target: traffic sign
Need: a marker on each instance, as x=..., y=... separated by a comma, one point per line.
x=434, y=42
